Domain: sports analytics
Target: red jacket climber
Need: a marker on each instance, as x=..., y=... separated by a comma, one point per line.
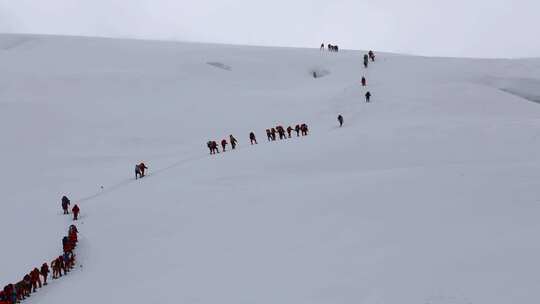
x=44, y=272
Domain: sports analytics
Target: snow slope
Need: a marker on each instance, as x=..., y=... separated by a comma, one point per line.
x=430, y=194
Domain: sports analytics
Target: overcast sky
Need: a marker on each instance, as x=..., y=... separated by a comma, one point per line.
x=475, y=28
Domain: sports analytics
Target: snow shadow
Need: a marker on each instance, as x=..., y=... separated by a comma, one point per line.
x=531, y=96
x=526, y=88
x=10, y=43
x=220, y=65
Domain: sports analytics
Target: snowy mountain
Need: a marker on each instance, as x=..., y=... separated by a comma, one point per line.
x=428, y=194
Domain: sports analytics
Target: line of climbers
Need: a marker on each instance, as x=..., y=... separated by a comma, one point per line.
x=331, y=48
x=31, y=282
x=214, y=148
x=271, y=134
x=368, y=94
x=65, y=207
x=367, y=57
x=299, y=129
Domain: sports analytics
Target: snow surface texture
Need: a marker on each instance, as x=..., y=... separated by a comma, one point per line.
x=429, y=194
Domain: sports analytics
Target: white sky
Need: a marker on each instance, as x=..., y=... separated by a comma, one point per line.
x=474, y=28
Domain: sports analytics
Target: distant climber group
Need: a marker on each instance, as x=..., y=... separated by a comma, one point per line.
x=214, y=147
x=37, y=277
x=367, y=57
x=272, y=134
x=65, y=207
x=371, y=55
x=331, y=48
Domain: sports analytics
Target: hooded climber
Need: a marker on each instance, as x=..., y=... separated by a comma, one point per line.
x=142, y=168
x=10, y=293
x=137, y=171
x=55, y=269
x=35, y=279
x=297, y=130
x=213, y=147
x=27, y=285
x=340, y=119
x=61, y=265
x=233, y=141
x=44, y=271
x=364, y=82
x=67, y=260
x=66, y=244
x=304, y=129
x=70, y=258
x=281, y=132
x=224, y=144
x=252, y=138
x=75, y=211
x=65, y=204
x=72, y=235
x=368, y=96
